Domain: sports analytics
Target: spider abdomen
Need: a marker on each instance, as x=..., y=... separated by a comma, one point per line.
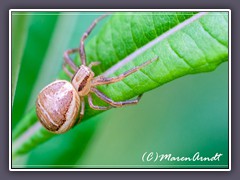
x=58, y=106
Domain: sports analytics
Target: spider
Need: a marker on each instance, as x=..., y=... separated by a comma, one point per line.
x=59, y=103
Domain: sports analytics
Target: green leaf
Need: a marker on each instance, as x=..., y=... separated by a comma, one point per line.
x=199, y=46
x=19, y=34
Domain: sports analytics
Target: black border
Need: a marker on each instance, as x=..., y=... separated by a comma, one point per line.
x=137, y=169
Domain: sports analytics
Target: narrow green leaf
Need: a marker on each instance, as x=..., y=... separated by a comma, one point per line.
x=19, y=34
x=185, y=45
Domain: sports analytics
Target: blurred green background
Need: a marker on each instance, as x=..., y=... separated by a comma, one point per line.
x=185, y=116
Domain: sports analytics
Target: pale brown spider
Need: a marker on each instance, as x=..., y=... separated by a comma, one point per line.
x=59, y=103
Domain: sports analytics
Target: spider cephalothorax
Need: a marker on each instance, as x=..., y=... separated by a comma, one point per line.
x=82, y=79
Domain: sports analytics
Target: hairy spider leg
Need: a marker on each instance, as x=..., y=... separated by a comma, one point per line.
x=94, y=64
x=94, y=106
x=68, y=60
x=100, y=80
x=64, y=66
x=85, y=35
x=113, y=103
x=82, y=109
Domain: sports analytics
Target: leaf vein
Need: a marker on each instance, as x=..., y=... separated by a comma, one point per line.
x=154, y=25
x=179, y=56
x=205, y=56
x=111, y=28
x=144, y=74
x=131, y=33
x=211, y=34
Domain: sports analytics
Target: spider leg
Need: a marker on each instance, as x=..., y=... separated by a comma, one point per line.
x=85, y=35
x=82, y=109
x=68, y=60
x=100, y=80
x=113, y=103
x=66, y=70
x=94, y=64
x=96, y=107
